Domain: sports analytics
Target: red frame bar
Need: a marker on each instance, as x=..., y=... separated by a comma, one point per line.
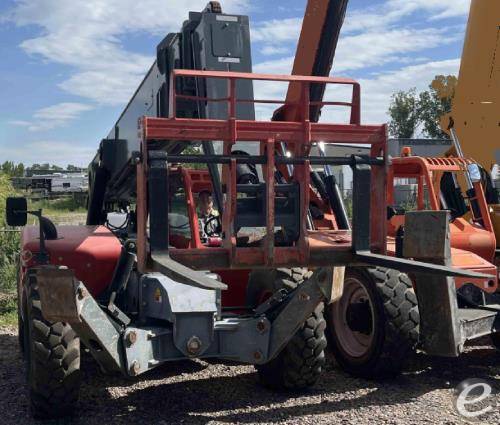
x=313, y=247
x=232, y=77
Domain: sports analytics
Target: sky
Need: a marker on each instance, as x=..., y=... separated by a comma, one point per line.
x=68, y=67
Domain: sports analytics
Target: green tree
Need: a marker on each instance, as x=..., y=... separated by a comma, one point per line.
x=403, y=111
x=8, y=168
x=19, y=171
x=436, y=102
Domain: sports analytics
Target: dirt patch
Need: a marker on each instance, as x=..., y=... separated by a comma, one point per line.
x=199, y=392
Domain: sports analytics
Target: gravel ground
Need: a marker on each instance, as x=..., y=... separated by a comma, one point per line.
x=198, y=392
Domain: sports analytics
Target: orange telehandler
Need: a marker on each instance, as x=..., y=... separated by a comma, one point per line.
x=367, y=334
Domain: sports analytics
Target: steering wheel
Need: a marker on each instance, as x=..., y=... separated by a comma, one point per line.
x=218, y=228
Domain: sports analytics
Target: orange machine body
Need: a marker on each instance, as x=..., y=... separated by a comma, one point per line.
x=473, y=245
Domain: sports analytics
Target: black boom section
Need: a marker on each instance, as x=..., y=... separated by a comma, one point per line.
x=326, y=51
x=208, y=40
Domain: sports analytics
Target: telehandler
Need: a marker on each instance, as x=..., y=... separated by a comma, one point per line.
x=358, y=330
x=250, y=286
x=369, y=333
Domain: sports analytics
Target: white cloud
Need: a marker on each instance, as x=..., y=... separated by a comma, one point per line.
x=48, y=151
x=440, y=8
x=85, y=34
x=278, y=66
x=20, y=123
x=379, y=48
x=107, y=88
x=58, y=115
x=277, y=30
x=392, y=11
x=270, y=50
x=54, y=116
x=369, y=18
x=372, y=49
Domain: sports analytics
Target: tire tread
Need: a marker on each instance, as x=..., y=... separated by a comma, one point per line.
x=301, y=362
x=54, y=377
x=400, y=329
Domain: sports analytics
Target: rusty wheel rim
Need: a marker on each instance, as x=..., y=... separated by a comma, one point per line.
x=352, y=342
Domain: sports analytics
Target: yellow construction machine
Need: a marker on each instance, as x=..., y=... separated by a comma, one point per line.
x=474, y=122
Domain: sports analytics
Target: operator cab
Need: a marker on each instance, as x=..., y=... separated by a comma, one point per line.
x=194, y=221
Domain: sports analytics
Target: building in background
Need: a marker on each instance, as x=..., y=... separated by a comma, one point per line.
x=420, y=147
x=52, y=183
x=59, y=183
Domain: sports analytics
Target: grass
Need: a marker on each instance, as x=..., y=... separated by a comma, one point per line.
x=9, y=248
x=8, y=310
x=67, y=210
x=60, y=210
x=9, y=243
x=60, y=206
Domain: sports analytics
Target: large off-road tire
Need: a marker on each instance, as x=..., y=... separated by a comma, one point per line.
x=52, y=354
x=21, y=310
x=300, y=363
x=20, y=325
x=374, y=328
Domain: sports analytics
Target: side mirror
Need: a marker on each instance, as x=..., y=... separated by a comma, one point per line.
x=17, y=211
x=474, y=172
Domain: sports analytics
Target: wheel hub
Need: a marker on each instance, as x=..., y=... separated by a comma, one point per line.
x=353, y=319
x=359, y=317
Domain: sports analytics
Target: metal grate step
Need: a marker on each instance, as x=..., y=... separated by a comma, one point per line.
x=476, y=323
